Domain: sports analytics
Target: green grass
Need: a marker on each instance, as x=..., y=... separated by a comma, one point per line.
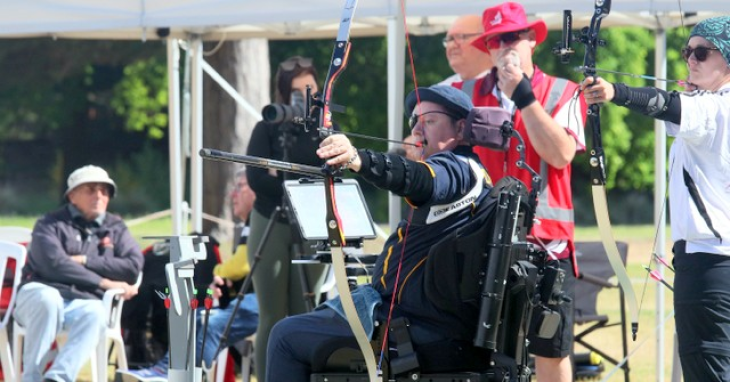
x=640, y=239
x=620, y=233
x=19, y=221
x=642, y=361
x=157, y=227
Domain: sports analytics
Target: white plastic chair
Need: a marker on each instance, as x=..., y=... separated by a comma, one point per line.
x=245, y=347
x=10, y=250
x=20, y=235
x=112, y=302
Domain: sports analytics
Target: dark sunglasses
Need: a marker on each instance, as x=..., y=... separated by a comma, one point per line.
x=293, y=62
x=506, y=38
x=700, y=52
x=414, y=118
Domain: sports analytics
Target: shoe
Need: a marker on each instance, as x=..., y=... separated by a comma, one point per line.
x=155, y=373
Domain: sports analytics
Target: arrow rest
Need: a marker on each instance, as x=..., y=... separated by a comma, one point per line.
x=313, y=104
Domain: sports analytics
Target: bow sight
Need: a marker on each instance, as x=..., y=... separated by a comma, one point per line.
x=588, y=35
x=562, y=49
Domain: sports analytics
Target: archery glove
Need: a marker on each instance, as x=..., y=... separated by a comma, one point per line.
x=523, y=95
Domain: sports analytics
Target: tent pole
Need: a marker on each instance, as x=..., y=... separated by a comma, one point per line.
x=176, y=186
x=396, y=76
x=215, y=76
x=196, y=141
x=660, y=217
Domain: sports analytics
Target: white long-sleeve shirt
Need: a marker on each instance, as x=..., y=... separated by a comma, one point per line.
x=702, y=147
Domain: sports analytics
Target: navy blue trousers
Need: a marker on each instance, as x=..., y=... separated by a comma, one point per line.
x=300, y=345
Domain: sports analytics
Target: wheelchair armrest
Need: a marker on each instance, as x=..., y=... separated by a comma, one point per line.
x=350, y=258
x=580, y=320
x=596, y=280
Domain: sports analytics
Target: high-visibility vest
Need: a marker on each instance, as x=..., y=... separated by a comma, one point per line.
x=555, y=204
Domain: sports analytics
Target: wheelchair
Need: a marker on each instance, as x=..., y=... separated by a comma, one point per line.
x=488, y=275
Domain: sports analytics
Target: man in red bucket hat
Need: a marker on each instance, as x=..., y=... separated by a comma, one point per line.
x=548, y=112
x=508, y=18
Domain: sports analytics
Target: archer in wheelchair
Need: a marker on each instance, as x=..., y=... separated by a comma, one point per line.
x=454, y=289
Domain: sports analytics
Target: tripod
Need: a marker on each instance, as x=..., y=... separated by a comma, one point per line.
x=287, y=140
x=269, y=245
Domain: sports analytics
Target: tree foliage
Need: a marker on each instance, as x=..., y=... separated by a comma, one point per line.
x=109, y=94
x=141, y=96
x=47, y=81
x=628, y=138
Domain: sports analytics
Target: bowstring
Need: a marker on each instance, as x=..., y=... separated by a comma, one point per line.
x=384, y=345
x=653, y=254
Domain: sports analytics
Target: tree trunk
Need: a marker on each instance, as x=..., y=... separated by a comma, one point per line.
x=226, y=125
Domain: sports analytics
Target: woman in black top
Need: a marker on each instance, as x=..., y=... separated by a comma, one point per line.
x=278, y=283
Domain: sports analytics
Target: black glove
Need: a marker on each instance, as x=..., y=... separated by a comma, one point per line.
x=523, y=95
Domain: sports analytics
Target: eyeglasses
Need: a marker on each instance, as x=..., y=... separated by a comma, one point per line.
x=94, y=188
x=700, y=52
x=506, y=38
x=240, y=186
x=414, y=118
x=458, y=38
x=291, y=63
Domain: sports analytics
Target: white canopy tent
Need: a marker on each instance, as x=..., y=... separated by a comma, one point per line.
x=287, y=19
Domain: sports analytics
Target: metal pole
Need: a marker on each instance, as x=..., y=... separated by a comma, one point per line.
x=196, y=142
x=396, y=77
x=660, y=183
x=176, y=184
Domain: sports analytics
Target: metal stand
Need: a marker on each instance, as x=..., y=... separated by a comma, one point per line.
x=184, y=252
x=246, y=283
x=297, y=247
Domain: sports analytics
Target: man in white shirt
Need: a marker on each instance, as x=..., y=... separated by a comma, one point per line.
x=465, y=60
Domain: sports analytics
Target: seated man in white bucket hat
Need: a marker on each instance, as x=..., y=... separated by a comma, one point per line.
x=77, y=252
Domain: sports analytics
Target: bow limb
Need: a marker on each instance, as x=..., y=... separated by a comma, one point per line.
x=335, y=234
x=600, y=206
x=336, y=240
x=598, y=169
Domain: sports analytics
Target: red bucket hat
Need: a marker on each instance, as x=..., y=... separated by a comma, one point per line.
x=504, y=18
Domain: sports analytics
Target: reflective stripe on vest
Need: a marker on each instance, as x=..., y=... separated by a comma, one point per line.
x=544, y=210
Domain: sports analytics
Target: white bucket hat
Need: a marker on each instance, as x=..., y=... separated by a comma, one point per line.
x=89, y=174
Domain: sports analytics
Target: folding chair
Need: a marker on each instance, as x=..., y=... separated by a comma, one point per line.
x=595, y=272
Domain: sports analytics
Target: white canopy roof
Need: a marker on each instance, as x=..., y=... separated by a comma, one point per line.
x=287, y=19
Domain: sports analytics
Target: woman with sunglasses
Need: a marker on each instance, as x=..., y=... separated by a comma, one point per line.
x=699, y=188
x=279, y=285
